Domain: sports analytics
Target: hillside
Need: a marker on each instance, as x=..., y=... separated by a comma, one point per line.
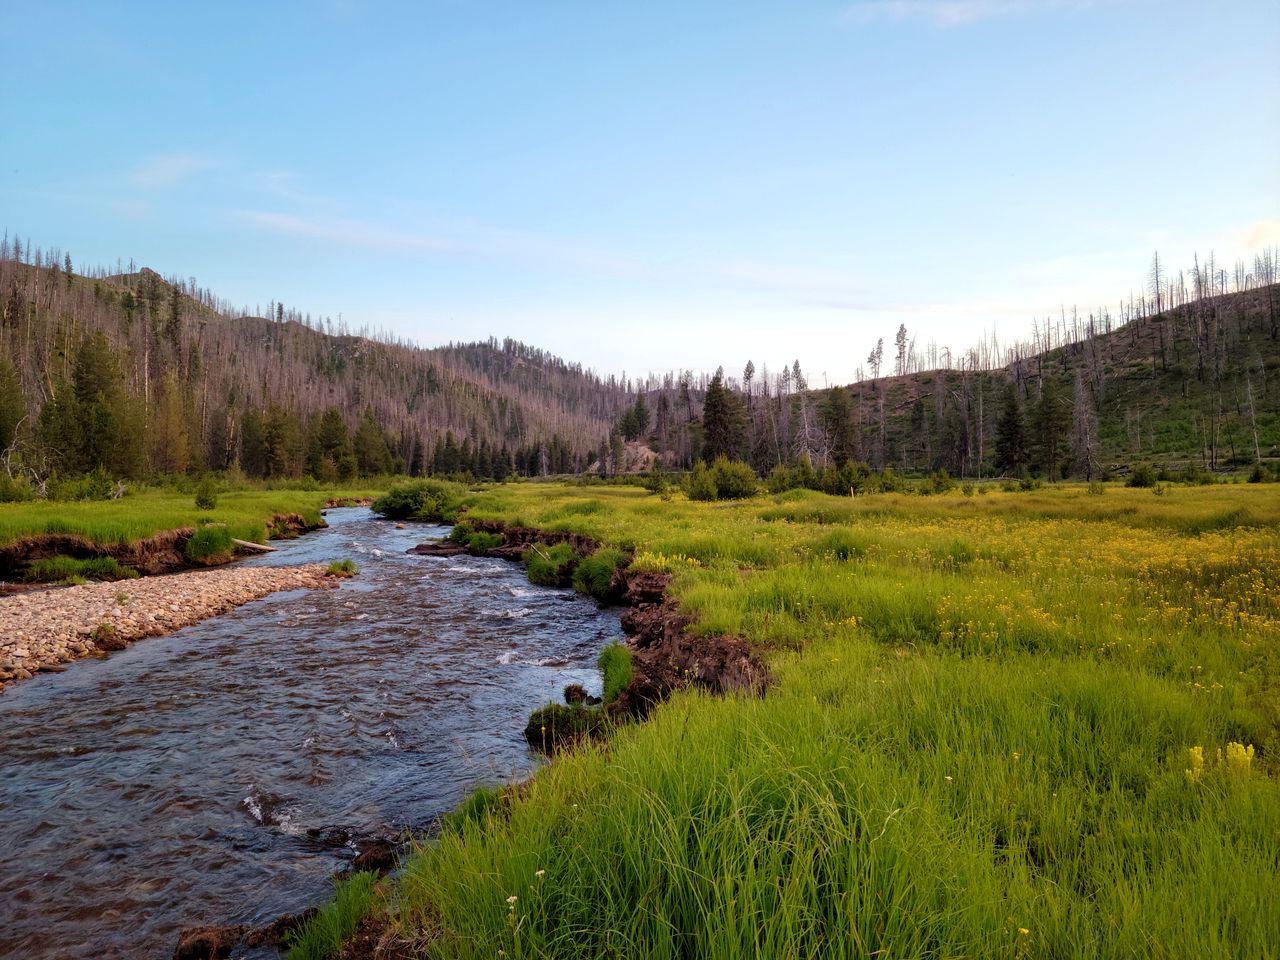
x=142, y=375
x=187, y=366
x=1196, y=385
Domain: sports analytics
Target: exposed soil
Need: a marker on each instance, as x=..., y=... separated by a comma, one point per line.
x=163, y=552
x=666, y=652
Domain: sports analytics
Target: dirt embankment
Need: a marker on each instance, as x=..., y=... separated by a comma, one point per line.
x=163, y=552
x=43, y=630
x=666, y=652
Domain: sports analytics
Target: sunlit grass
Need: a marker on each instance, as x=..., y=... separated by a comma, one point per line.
x=245, y=513
x=983, y=739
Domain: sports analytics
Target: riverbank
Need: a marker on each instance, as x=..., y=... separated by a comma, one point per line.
x=47, y=629
x=1016, y=724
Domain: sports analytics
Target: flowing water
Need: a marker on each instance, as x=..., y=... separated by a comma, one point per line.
x=175, y=782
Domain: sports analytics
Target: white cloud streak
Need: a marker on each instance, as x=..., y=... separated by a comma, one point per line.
x=165, y=171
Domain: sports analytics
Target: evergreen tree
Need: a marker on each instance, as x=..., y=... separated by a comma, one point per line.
x=372, y=455
x=640, y=418
x=1052, y=427
x=282, y=444
x=721, y=422
x=170, y=450
x=253, y=451
x=836, y=416
x=1011, y=435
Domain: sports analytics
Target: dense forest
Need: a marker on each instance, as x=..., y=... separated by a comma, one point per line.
x=130, y=375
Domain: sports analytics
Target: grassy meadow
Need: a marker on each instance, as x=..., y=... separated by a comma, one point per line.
x=1011, y=724
x=246, y=513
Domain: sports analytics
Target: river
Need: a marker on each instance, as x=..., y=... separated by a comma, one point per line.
x=174, y=782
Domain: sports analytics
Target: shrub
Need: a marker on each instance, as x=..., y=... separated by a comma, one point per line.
x=211, y=544
x=15, y=489
x=207, y=493
x=1260, y=474
x=342, y=568
x=656, y=481
x=480, y=542
x=549, y=566
x=734, y=479
x=421, y=500
x=699, y=484
x=967, y=489
x=615, y=665
x=1096, y=489
x=1141, y=475
x=556, y=726
x=594, y=574
x=63, y=569
x=941, y=482
x=96, y=485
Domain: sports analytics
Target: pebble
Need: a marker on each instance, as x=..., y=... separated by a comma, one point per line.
x=43, y=630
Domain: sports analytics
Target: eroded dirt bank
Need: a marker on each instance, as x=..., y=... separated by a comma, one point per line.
x=43, y=630
x=666, y=650
x=163, y=552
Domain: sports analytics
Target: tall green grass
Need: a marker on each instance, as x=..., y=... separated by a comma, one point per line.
x=71, y=569
x=142, y=514
x=1002, y=726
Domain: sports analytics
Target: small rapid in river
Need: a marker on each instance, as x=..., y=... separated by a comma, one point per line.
x=175, y=782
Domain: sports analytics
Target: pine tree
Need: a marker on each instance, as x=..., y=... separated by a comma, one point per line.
x=1011, y=435
x=372, y=454
x=721, y=422
x=1052, y=427
x=170, y=450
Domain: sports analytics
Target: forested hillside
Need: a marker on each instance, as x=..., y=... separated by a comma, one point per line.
x=1187, y=378
x=143, y=375
x=132, y=375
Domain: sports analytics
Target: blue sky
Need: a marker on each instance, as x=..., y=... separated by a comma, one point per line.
x=652, y=185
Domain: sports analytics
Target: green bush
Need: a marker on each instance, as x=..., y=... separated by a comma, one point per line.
x=594, y=574
x=211, y=544
x=421, y=500
x=941, y=482
x=342, y=568
x=557, y=726
x=549, y=566
x=15, y=489
x=1141, y=476
x=96, y=485
x=699, y=484
x=62, y=569
x=479, y=542
x=733, y=479
x=615, y=665
x=207, y=493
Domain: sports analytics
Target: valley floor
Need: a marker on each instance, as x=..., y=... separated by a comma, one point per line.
x=1034, y=724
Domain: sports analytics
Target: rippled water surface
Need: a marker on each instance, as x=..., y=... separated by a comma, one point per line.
x=174, y=783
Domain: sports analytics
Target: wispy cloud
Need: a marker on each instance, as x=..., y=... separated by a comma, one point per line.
x=456, y=239
x=1264, y=233
x=169, y=169
x=950, y=13
x=349, y=232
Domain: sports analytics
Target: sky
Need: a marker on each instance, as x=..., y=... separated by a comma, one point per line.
x=650, y=186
